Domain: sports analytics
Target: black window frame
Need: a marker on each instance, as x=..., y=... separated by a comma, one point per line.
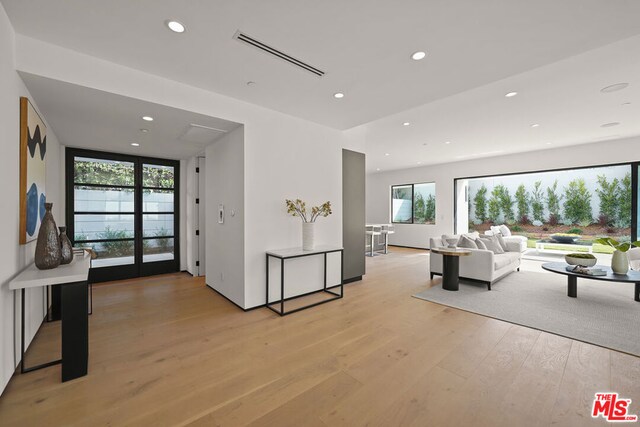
x=635, y=188
x=138, y=268
x=413, y=199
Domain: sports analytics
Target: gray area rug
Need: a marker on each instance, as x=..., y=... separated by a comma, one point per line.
x=604, y=314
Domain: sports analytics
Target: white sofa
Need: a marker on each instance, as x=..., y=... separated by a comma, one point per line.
x=520, y=240
x=483, y=265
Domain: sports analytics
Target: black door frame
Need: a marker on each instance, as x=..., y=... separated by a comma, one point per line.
x=138, y=268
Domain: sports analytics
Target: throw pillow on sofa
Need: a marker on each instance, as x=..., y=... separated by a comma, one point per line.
x=481, y=244
x=467, y=243
x=500, y=229
x=504, y=230
x=492, y=244
x=501, y=241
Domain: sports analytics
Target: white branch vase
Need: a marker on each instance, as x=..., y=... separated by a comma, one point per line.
x=308, y=237
x=620, y=262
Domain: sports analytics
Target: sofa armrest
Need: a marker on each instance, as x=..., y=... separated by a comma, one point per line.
x=516, y=243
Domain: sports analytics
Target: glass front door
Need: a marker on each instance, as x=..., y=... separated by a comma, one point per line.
x=126, y=209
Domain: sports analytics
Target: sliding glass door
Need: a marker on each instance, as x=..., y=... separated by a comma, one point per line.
x=125, y=208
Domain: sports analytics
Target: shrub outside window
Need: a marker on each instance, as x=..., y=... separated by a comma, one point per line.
x=413, y=203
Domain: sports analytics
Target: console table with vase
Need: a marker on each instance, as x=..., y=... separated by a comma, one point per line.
x=72, y=280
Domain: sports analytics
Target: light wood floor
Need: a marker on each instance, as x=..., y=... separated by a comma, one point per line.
x=169, y=351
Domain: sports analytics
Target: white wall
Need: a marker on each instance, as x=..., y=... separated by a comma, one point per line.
x=285, y=157
x=225, y=252
x=14, y=257
x=417, y=235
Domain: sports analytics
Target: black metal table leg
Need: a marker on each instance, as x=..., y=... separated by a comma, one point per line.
x=341, y=273
x=572, y=286
x=637, y=294
x=267, y=290
x=23, y=368
x=282, y=286
x=75, y=330
x=325, y=271
x=450, y=272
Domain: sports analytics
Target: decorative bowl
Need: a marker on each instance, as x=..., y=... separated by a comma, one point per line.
x=565, y=238
x=580, y=259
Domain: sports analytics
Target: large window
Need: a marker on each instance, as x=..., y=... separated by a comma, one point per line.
x=413, y=203
x=587, y=202
x=125, y=209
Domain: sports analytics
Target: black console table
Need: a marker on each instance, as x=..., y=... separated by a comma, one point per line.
x=72, y=280
x=288, y=254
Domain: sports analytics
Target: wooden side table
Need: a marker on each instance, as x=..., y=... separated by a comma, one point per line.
x=451, y=266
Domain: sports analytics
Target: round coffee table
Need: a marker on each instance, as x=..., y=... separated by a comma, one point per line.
x=572, y=278
x=451, y=266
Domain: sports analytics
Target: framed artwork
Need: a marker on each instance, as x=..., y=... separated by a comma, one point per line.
x=33, y=151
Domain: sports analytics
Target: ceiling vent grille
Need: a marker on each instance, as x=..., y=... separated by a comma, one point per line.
x=244, y=38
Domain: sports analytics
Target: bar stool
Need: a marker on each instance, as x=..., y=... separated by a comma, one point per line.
x=386, y=230
x=371, y=232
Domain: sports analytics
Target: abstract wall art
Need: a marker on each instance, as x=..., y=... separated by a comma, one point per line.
x=33, y=151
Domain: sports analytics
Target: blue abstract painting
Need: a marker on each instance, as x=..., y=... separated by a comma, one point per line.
x=33, y=151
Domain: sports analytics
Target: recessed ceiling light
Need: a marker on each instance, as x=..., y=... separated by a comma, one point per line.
x=386, y=154
x=511, y=94
x=417, y=56
x=406, y=124
x=548, y=143
x=614, y=88
x=447, y=142
x=250, y=83
x=338, y=95
x=144, y=130
x=610, y=125
x=419, y=163
x=175, y=26
x=147, y=118
x=624, y=104
x=378, y=169
x=135, y=144
x=535, y=125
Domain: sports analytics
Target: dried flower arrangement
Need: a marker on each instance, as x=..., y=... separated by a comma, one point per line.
x=299, y=208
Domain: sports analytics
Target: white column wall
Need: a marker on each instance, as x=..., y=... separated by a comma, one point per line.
x=225, y=242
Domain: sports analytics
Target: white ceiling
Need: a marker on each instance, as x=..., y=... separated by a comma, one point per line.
x=92, y=119
x=564, y=98
x=556, y=54
x=363, y=46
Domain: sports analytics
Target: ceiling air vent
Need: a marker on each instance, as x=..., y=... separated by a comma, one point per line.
x=201, y=134
x=244, y=38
